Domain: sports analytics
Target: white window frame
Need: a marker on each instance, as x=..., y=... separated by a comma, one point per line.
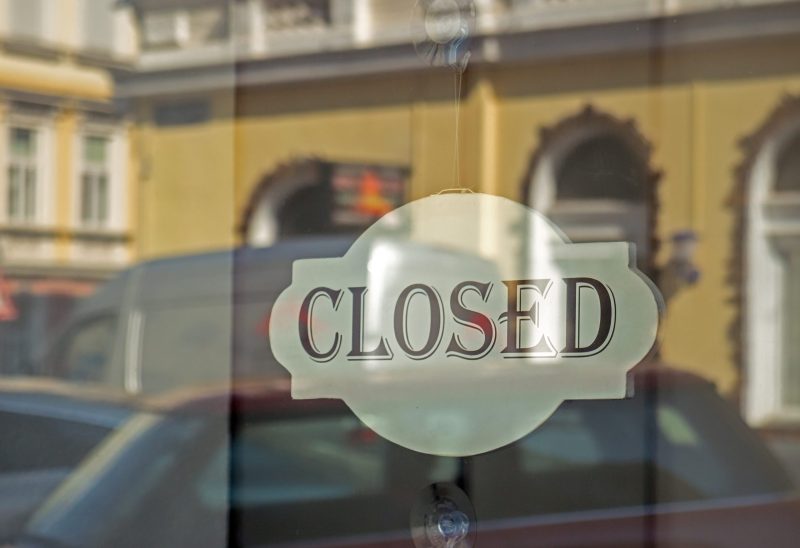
x=176, y=30
x=763, y=312
x=606, y=219
x=43, y=127
x=116, y=166
x=95, y=172
x=26, y=183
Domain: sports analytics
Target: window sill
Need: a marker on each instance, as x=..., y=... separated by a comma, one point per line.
x=83, y=233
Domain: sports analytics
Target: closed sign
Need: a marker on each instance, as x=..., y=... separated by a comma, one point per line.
x=458, y=323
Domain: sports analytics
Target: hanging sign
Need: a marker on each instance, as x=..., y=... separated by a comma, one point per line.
x=458, y=323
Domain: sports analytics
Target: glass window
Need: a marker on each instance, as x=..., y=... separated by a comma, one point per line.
x=86, y=352
x=98, y=25
x=194, y=339
x=297, y=15
x=790, y=262
x=42, y=442
x=27, y=18
x=305, y=460
x=788, y=167
x=23, y=173
x=183, y=28
x=602, y=168
x=94, y=191
x=680, y=445
x=165, y=29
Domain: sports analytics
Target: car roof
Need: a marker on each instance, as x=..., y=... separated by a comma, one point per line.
x=216, y=273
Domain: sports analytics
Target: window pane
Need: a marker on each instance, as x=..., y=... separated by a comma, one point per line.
x=30, y=193
x=291, y=14
x=26, y=17
x=94, y=150
x=86, y=197
x=99, y=24
x=13, y=192
x=791, y=333
x=89, y=349
x=788, y=167
x=102, y=198
x=23, y=143
x=602, y=168
x=208, y=24
x=309, y=459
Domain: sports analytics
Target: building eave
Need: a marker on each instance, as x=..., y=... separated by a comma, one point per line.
x=630, y=36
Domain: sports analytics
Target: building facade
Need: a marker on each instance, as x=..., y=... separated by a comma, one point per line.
x=65, y=185
x=656, y=122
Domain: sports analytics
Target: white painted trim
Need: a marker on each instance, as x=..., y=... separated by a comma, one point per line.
x=263, y=228
x=764, y=284
x=607, y=219
x=44, y=126
x=117, y=175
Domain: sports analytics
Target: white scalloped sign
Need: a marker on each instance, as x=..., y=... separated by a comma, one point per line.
x=458, y=323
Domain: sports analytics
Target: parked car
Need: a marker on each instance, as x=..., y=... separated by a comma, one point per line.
x=46, y=430
x=178, y=321
x=133, y=333
x=673, y=465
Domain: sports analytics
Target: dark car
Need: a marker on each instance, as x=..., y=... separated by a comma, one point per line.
x=673, y=465
x=46, y=430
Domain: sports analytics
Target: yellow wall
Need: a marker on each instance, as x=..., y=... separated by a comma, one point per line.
x=693, y=106
x=185, y=186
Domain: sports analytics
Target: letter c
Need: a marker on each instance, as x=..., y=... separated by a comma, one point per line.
x=305, y=324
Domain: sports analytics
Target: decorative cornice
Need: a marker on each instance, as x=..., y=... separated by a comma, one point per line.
x=503, y=46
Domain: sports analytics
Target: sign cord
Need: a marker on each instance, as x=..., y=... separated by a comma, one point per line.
x=457, y=153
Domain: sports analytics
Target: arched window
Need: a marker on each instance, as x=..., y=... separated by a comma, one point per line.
x=275, y=208
x=787, y=179
x=592, y=178
x=312, y=197
x=771, y=268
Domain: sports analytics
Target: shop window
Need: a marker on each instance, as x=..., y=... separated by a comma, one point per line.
x=23, y=175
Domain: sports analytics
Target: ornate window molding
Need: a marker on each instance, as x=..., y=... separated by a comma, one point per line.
x=765, y=244
x=593, y=216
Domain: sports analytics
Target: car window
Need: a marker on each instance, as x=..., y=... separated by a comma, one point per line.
x=656, y=448
x=42, y=442
x=305, y=460
x=185, y=343
x=86, y=351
